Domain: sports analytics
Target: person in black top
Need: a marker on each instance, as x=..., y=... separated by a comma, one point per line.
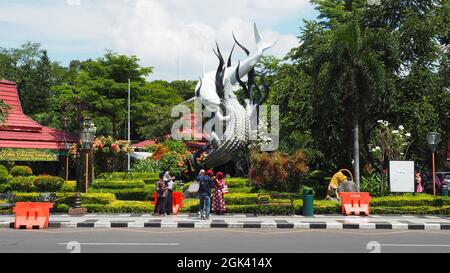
x=206, y=183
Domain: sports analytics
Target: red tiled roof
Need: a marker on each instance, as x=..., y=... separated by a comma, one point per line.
x=20, y=131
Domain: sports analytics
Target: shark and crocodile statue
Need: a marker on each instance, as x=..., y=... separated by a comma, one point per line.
x=215, y=91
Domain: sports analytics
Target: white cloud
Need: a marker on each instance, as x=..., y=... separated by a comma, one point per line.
x=73, y=2
x=161, y=31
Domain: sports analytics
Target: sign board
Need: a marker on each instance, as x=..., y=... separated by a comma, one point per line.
x=401, y=176
x=16, y=154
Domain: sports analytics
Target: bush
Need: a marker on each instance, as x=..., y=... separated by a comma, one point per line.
x=5, y=187
x=277, y=170
x=121, y=207
x=21, y=171
x=69, y=186
x=117, y=184
x=405, y=200
x=4, y=175
x=372, y=184
x=241, y=198
x=48, y=183
x=22, y=183
x=130, y=176
x=135, y=194
x=86, y=198
x=147, y=165
x=237, y=182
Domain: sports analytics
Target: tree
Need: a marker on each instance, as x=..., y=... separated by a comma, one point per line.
x=3, y=111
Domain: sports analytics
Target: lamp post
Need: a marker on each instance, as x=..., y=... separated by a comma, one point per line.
x=87, y=135
x=433, y=140
x=66, y=145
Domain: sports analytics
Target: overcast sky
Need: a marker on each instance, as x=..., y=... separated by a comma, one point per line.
x=158, y=31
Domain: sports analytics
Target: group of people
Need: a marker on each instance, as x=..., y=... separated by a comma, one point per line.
x=208, y=184
x=207, y=181
x=164, y=187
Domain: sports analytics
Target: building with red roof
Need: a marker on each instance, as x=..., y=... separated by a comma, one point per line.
x=23, y=139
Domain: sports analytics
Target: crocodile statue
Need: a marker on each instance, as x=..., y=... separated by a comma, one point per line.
x=216, y=92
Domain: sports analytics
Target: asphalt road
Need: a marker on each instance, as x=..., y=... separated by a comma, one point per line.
x=222, y=241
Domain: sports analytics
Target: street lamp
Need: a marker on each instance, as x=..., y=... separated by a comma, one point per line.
x=433, y=140
x=87, y=135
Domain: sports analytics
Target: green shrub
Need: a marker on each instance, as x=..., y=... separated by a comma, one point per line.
x=135, y=194
x=418, y=200
x=48, y=183
x=22, y=183
x=237, y=182
x=241, y=198
x=150, y=189
x=69, y=186
x=121, y=207
x=117, y=184
x=86, y=198
x=372, y=184
x=21, y=171
x=147, y=165
x=5, y=187
x=27, y=197
x=4, y=175
x=129, y=176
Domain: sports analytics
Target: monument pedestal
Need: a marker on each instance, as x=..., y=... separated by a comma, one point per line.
x=77, y=212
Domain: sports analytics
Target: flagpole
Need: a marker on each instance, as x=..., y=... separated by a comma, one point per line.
x=129, y=138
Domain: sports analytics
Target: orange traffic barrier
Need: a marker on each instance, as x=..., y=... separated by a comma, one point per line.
x=32, y=215
x=177, y=201
x=356, y=203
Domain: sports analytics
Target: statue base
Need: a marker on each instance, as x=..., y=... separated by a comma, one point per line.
x=77, y=212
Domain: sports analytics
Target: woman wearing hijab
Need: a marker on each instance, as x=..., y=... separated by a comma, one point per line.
x=218, y=204
x=168, y=180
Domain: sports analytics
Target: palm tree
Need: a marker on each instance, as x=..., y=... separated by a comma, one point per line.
x=351, y=70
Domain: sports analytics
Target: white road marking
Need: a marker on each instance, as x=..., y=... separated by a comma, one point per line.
x=126, y=244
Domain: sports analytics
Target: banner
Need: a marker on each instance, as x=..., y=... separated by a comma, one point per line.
x=17, y=154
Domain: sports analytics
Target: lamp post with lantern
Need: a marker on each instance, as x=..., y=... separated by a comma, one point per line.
x=433, y=140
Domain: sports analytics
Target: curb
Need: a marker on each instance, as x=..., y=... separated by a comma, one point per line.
x=215, y=225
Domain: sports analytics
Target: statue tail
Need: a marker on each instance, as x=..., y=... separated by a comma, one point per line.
x=261, y=45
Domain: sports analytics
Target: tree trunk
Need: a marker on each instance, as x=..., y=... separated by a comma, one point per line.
x=114, y=127
x=356, y=151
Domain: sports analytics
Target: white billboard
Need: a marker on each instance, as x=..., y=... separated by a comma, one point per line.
x=401, y=176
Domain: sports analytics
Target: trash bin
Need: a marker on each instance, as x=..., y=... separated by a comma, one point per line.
x=444, y=190
x=308, y=205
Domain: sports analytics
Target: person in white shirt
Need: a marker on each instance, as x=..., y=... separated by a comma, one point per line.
x=168, y=180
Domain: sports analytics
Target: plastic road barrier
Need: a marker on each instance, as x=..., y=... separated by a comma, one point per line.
x=32, y=215
x=177, y=201
x=356, y=203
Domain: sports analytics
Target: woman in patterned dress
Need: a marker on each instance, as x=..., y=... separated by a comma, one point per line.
x=218, y=204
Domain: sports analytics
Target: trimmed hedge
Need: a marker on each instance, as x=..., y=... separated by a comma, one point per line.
x=86, y=198
x=4, y=175
x=135, y=194
x=117, y=184
x=130, y=176
x=48, y=183
x=121, y=207
x=21, y=171
x=69, y=198
x=69, y=186
x=22, y=183
x=405, y=200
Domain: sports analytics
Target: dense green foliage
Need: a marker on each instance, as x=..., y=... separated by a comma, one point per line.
x=48, y=183
x=22, y=183
x=21, y=171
